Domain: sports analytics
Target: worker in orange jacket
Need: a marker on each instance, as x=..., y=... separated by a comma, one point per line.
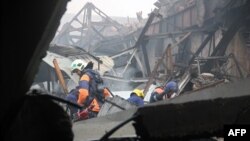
x=166, y=91
x=90, y=96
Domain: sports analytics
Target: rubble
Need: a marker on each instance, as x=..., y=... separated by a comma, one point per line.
x=199, y=47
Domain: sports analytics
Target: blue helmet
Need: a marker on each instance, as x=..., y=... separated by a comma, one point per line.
x=173, y=86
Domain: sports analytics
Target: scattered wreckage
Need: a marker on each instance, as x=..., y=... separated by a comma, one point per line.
x=203, y=51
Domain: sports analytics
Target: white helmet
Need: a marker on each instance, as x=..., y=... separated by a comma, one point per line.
x=78, y=64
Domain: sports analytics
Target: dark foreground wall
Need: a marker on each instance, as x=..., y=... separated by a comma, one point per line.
x=27, y=27
x=197, y=115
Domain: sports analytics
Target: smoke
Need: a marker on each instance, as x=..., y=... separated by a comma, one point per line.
x=116, y=85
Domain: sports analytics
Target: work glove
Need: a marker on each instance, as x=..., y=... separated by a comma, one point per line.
x=167, y=91
x=84, y=114
x=158, y=97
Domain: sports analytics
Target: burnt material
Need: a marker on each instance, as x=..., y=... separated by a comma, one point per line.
x=201, y=47
x=241, y=17
x=141, y=43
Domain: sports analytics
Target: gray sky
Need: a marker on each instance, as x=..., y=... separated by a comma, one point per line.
x=121, y=8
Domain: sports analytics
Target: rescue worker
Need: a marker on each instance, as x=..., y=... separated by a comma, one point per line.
x=136, y=97
x=89, y=95
x=160, y=92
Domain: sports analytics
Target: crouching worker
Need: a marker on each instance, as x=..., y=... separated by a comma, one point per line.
x=160, y=92
x=136, y=97
x=90, y=96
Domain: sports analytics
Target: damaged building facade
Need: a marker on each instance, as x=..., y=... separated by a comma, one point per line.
x=198, y=43
x=180, y=40
x=217, y=41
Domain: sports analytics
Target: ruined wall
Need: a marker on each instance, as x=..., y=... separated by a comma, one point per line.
x=153, y=44
x=198, y=37
x=238, y=47
x=184, y=15
x=197, y=18
x=195, y=41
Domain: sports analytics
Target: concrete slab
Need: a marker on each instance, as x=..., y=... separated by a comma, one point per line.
x=196, y=114
x=199, y=114
x=94, y=129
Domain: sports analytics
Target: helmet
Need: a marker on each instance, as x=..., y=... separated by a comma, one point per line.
x=138, y=92
x=171, y=86
x=78, y=64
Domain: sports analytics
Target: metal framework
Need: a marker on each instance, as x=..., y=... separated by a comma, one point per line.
x=85, y=29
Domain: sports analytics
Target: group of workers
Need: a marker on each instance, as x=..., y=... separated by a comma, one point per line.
x=90, y=95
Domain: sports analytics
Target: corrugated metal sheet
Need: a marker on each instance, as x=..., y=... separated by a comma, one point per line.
x=65, y=56
x=63, y=62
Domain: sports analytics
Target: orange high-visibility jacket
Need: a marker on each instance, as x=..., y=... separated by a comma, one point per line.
x=84, y=93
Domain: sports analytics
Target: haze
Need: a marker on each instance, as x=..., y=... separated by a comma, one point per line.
x=115, y=8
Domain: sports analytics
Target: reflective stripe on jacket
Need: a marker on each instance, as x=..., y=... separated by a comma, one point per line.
x=84, y=93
